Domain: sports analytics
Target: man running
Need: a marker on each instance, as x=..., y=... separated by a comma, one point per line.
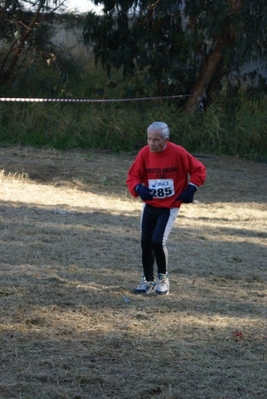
x=164, y=175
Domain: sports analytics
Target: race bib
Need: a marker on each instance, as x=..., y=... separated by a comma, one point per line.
x=161, y=188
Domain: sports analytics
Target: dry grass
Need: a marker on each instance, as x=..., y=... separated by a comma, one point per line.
x=71, y=327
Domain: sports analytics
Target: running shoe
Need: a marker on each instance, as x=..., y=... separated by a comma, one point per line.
x=145, y=287
x=162, y=285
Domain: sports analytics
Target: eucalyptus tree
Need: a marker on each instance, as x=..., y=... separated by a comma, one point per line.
x=183, y=46
x=26, y=38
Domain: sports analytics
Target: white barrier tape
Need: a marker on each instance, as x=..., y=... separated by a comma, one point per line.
x=71, y=100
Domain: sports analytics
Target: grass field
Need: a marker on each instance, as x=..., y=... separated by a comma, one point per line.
x=70, y=326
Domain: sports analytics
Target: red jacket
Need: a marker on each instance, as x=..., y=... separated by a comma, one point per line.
x=167, y=173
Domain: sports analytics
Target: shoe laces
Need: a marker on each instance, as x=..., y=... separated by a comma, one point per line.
x=163, y=278
x=143, y=282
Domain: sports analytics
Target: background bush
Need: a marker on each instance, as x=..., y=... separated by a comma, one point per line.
x=232, y=126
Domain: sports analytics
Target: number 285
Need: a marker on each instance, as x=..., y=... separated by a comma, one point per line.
x=162, y=192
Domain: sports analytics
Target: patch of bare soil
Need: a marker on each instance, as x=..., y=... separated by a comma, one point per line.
x=70, y=325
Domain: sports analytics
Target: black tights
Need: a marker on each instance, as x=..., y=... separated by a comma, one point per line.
x=156, y=225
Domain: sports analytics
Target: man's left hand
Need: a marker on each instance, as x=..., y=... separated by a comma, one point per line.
x=187, y=196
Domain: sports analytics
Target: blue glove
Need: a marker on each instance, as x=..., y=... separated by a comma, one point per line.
x=144, y=192
x=187, y=195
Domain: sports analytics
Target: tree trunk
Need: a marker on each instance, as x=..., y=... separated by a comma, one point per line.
x=208, y=70
x=206, y=74
x=17, y=47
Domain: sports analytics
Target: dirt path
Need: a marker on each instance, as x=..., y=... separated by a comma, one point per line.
x=71, y=326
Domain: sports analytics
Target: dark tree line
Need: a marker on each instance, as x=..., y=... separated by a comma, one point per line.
x=183, y=46
x=175, y=46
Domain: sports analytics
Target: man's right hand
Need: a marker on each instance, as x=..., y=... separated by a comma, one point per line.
x=144, y=192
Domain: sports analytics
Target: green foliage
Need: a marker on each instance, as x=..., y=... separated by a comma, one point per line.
x=27, y=48
x=157, y=47
x=182, y=46
x=233, y=127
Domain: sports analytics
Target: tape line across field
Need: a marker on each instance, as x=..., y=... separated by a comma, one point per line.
x=86, y=100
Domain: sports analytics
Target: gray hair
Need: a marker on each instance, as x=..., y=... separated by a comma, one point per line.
x=165, y=131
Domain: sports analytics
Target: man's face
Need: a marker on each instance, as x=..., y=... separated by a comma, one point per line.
x=155, y=141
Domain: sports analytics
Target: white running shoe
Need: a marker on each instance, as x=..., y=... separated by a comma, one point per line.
x=145, y=287
x=162, y=285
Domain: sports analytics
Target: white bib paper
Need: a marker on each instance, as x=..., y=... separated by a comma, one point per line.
x=162, y=188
